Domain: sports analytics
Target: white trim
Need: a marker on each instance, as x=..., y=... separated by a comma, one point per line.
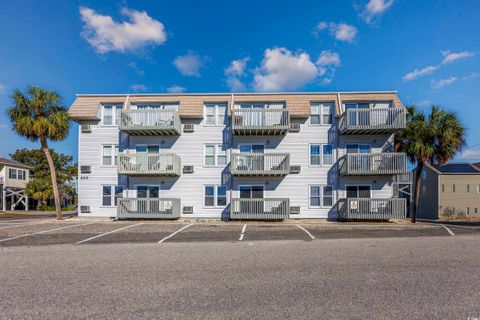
x=215, y=155
x=234, y=93
x=215, y=114
x=320, y=106
x=321, y=195
x=114, y=106
x=322, y=164
x=112, y=195
x=112, y=155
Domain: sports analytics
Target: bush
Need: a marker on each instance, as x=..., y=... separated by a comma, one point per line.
x=448, y=213
x=461, y=215
x=44, y=207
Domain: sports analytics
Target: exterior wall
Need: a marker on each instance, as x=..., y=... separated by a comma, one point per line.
x=14, y=183
x=428, y=198
x=461, y=199
x=90, y=153
x=190, y=148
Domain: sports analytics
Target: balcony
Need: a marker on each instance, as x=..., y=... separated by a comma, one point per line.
x=150, y=122
x=260, y=209
x=372, y=121
x=267, y=122
x=146, y=208
x=364, y=164
x=260, y=164
x=373, y=209
x=143, y=164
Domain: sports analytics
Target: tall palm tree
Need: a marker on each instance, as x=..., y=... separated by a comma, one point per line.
x=38, y=116
x=432, y=138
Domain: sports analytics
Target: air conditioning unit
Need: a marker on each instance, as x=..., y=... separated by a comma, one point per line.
x=294, y=169
x=188, y=210
x=86, y=128
x=295, y=210
x=187, y=169
x=294, y=127
x=85, y=169
x=85, y=209
x=189, y=127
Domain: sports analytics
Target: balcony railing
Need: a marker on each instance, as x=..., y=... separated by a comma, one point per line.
x=143, y=164
x=148, y=208
x=360, y=164
x=372, y=121
x=260, y=164
x=150, y=122
x=260, y=209
x=260, y=121
x=373, y=209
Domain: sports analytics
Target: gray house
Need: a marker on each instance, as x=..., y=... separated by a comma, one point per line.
x=451, y=190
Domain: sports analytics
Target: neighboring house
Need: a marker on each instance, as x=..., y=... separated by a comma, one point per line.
x=240, y=156
x=449, y=190
x=14, y=177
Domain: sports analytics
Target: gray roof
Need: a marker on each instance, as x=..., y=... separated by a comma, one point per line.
x=456, y=168
x=13, y=163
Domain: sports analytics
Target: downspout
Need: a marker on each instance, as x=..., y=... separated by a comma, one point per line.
x=337, y=142
x=125, y=107
x=230, y=150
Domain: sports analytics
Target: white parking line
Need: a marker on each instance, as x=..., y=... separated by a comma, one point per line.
x=40, y=232
x=179, y=230
x=243, y=232
x=107, y=233
x=306, y=231
x=448, y=230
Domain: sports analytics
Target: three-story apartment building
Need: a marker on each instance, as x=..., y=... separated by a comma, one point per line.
x=240, y=156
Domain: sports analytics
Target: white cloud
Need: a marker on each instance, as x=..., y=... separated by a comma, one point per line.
x=449, y=57
x=470, y=155
x=189, y=64
x=327, y=62
x=439, y=84
x=3, y=126
x=3, y=89
x=105, y=34
x=234, y=72
x=340, y=31
x=135, y=68
x=375, y=9
x=138, y=88
x=471, y=76
x=176, y=89
x=419, y=72
x=283, y=70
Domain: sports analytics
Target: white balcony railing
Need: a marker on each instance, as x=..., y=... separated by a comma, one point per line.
x=150, y=122
x=260, y=164
x=373, y=209
x=260, y=209
x=370, y=121
x=260, y=121
x=358, y=164
x=162, y=164
x=144, y=208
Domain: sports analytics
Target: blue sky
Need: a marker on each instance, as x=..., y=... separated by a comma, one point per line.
x=427, y=50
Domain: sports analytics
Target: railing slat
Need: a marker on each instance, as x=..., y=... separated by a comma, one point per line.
x=149, y=164
x=260, y=209
x=158, y=208
x=384, y=163
x=373, y=208
x=260, y=163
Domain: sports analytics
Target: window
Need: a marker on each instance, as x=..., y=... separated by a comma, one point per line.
x=443, y=188
x=468, y=188
x=327, y=154
x=324, y=158
x=478, y=188
x=321, y=113
x=118, y=194
x=251, y=192
x=453, y=188
x=215, y=196
x=12, y=173
x=153, y=106
x=468, y=211
x=215, y=114
x=476, y=210
x=215, y=155
x=109, y=155
x=358, y=191
x=321, y=196
x=358, y=148
x=110, y=195
x=20, y=174
x=110, y=113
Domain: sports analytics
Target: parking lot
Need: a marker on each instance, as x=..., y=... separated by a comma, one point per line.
x=34, y=232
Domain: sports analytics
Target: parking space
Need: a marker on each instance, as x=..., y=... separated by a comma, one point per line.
x=48, y=232
x=138, y=233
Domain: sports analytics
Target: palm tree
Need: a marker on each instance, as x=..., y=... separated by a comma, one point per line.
x=432, y=138
x=38, y=115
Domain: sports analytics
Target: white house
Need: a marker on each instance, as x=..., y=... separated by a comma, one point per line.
x=14, y=177
x=240, y=156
